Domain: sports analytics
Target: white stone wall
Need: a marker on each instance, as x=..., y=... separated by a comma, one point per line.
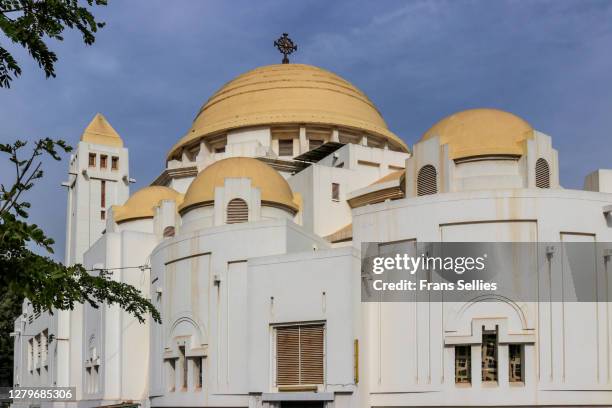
x=409, y=352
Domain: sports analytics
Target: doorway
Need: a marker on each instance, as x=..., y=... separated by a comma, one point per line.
x=302, y=404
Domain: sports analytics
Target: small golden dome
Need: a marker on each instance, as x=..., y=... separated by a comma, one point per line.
x=99, y=131
x=478, y=132
x=142, y=203
x=273, y=187
x=287, y=94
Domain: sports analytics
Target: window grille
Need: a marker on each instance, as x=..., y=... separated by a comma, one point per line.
x=427, y=180
x=115, y=163
x=237, y=211
x=92, y=160
x=463, y=364
x=489, y=355
x=515, y=354
x=542, y=171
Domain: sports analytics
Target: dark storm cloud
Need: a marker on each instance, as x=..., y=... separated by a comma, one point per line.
x=156, y=62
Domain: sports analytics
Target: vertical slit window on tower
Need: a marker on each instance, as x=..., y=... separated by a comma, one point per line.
x=463, y=364
x=489, y=355
x=92, y=160
x=45, y=347
x=114, y=163
x=103, y=161
x=31, y=355
x=103, y=194
x=88, y=380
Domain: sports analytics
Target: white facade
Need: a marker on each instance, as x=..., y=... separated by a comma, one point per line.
x=228, y=279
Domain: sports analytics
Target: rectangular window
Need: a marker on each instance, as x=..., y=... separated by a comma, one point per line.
x=115, y=163
x=489, y=355
x=314, y=143
x=92, y=160
x=103, y=161
x=171, y=377
x=102, y=215
x=335, y=191
x=198, y=362
x=285, y=147
x=299, y=355
x=515, y=354
x=463, y=364
x=184, y=367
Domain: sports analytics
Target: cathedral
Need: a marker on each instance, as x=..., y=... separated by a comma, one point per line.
x=249, y=245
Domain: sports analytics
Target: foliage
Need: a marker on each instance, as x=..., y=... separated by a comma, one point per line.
x=10, y=308
x=44, y=282
x=30, y=22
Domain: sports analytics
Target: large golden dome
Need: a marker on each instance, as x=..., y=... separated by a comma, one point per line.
x=481, y=132
x=273, y=187
x=287, y=94
x=143, y=202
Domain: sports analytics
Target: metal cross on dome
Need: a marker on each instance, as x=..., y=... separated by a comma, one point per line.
x=286, y=46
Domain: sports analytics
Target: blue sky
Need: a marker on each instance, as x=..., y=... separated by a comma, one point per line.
x=156, y=63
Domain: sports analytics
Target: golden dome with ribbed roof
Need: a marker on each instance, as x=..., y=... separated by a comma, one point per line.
x=287, y=94
x=273, y=187
x=143, y=202
x=481, y=132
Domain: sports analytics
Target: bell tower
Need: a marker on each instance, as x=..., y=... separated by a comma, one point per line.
x=98, y=177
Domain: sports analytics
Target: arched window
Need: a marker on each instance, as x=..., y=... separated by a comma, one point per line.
x=427, y=180
x=542, y=173
x=237, y=211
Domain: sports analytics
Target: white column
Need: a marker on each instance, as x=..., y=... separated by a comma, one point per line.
x=303, y=140
x=364, y=140
x=335, y=136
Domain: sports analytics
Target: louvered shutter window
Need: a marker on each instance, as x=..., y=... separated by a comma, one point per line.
x=237, y=211
x=542, y=174
x=427, y=180
x=299, y=355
